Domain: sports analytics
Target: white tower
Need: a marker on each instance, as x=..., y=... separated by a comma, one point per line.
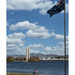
x=27, y=53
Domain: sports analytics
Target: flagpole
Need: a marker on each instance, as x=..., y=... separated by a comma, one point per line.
x=65, y=35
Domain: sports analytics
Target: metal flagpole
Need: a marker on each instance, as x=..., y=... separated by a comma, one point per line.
x=65, y=35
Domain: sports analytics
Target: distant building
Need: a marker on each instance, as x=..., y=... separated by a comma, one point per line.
x=49, y=58
x=53, y=57
x=27, y=53
x=44, y=58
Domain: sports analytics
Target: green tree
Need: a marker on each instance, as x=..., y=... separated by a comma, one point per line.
x=10, y=59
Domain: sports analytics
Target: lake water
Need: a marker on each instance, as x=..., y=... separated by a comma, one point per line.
x=43, y=67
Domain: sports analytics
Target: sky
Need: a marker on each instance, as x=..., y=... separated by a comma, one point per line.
x=28, y=24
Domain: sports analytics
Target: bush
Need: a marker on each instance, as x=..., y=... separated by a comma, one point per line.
x=19, y=59
x=34, y=59
x=10, y=59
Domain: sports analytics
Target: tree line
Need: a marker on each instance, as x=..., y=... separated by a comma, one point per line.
x=12, y=59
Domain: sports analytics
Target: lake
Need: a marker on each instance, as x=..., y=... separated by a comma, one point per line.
x=43, y=67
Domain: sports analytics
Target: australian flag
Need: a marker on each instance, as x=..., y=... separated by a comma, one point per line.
x=56, y=8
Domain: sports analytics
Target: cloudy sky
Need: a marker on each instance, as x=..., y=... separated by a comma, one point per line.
x=28, y=24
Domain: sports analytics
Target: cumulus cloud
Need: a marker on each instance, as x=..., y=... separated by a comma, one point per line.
x=21, y=45
x=36, y=45
x=62, y=43
x=28, y=4
x=59, y=36
x=23, y=25
x=48, y=48
x=15, y=43
x=34, y=30
x=17, y=35
x=27, y=25
x=12, y=47
x=58, y=48
x=15, y=38
x=34, y=51
x=15, y=49
x=36, y=35
x=41, y=5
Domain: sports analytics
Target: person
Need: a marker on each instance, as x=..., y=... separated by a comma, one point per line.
x=35, y=72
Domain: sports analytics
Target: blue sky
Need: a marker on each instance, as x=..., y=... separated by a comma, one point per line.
x=28, y=24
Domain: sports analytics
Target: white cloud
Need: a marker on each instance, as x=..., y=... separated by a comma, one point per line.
x=21, y=45
x=61, y=43
x=27, y=25
x=59, y=36
x=58, y=48
x=67, y=8
x=36, y=35
x=12, y=46
x=34, y=30
x=17, y=35
x=53, y=34
x=36, y=45
x=34, y=51
x=28, y=4
x=43, y=11
x=13, y=40
x=48, y=48
x=23, y=25
x=14, y=49
x=42, y=5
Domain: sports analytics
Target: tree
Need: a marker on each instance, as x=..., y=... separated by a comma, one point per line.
x=10, y=59
x=34, y=59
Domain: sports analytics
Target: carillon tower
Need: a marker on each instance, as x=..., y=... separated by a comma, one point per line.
x=27, y=53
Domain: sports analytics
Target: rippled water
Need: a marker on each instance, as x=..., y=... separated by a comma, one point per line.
x=43, y=67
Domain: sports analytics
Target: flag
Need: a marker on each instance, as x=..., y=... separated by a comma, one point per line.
x=56, y=8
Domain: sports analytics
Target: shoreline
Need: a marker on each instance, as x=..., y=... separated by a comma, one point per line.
x=52, y=59
x=12, y=73
x=45, y=60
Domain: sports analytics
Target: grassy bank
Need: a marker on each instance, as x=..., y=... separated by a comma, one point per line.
x=18, y=74
x=22, y=74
